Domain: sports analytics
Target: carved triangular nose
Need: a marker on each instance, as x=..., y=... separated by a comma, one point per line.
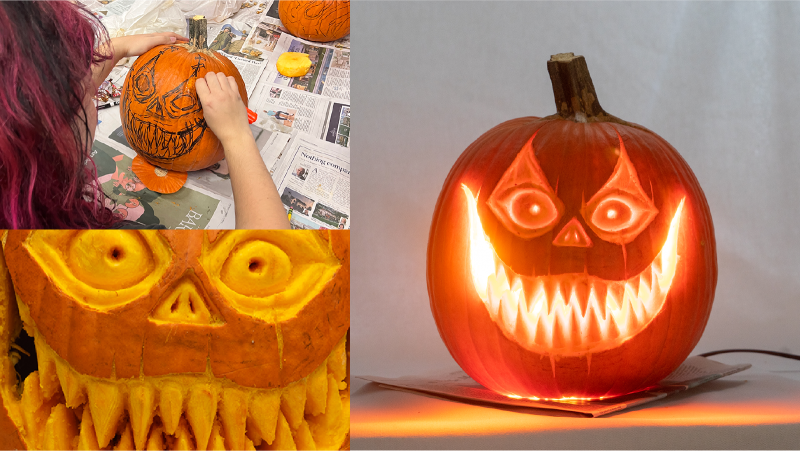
x=184, y=303
x=573, y=235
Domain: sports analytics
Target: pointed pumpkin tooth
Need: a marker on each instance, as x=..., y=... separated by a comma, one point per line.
x=558, y=332
x=598, y=298
x=216, y=441
x=317, y=391
x=233, y=413
x=303, y=438
x=60, y=429
x=293, y=403
x=265, y=405
x=71, y=384
x=35, y=409
x=106, y=403
x=594, y=333
x=48, y=376
x=550, y=287
x=581, y=291
x=170, y=406
x=283, y=436
x=615, y=294
x=330, y=428
x=88, y=438
x=337, y=361
x=524, y=330
x=183, y=438
x=201, y=409
x=543, y=335
x=141, y=408
x=155, y=441
x=248, y=445
x=125, y=439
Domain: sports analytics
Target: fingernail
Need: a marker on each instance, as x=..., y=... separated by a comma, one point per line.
x=171, y=39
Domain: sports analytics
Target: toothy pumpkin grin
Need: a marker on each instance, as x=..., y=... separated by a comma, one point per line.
x=162, y=144
x=541, y=313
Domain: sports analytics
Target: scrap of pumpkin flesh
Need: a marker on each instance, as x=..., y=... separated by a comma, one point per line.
x=63, y=409
x=293, y=64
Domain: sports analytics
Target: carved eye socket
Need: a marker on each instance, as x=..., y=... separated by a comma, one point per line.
x=620, y=210
x=523, y=200
x=270, y=274
x=257, y=268
x=101, y=269
x=531, y=208
x=110, y=260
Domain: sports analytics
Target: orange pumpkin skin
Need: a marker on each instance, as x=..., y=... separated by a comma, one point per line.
x=316, y=20
x=162, y=117
x=577, y=160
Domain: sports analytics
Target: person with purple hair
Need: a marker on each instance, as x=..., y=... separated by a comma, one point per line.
x=53, y=56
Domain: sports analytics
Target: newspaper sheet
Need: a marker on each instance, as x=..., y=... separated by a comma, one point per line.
x=313, y=180
x=459, y=386
x=230, y=38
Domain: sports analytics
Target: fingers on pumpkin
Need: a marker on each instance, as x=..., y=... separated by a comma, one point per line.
x=67, y=410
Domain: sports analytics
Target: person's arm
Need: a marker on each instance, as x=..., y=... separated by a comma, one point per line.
x=127, y=46
x=257, y=203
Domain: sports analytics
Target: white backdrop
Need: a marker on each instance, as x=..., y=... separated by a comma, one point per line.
x=719, y=81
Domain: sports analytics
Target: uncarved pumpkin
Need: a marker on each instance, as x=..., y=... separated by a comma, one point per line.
x=162, y=117
x=176, y=339
x=571, y=255
x=316, y=20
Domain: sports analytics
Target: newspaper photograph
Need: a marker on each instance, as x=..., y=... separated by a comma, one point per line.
x=313, y=181
x=281, y=108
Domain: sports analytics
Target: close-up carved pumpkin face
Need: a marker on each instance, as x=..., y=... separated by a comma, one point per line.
x=571, y=256
x=162, y=117
x=175, y=339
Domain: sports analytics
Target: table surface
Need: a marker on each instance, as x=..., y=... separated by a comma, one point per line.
x=758, y=408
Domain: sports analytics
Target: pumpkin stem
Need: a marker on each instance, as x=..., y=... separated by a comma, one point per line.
x=198, y=32
x=573, y=89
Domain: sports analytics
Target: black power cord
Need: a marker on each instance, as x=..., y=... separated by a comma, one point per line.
x=758, y=351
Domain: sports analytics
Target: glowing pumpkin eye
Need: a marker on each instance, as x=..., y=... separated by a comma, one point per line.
x=615, y=213
x=523, y=200
x=110, y=260
x=531, y=208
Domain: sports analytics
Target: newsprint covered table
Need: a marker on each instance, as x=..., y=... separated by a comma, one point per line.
x=755, y=409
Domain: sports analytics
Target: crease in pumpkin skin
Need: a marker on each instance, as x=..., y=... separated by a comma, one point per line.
x=537, y=321
x=110, y=406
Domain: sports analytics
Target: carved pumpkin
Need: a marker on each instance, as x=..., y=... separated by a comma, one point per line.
x=176, y=339
x=162, y=117
x=316, y=20
x=571, y=255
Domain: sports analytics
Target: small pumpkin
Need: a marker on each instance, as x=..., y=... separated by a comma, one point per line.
x=571, y=256
x=162, y=117
x=316, y=20
x=175, y=340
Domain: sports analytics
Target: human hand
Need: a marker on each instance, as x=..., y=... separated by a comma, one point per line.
x=223, y=108
x=137, y=44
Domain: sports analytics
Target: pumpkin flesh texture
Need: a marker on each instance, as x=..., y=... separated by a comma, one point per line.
x=201, y=408
x=578, y=160
x=162, y=117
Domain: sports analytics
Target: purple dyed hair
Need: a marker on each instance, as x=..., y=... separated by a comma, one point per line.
x=47, y=179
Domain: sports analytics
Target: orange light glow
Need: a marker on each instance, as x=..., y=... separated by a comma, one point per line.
x=569, y=314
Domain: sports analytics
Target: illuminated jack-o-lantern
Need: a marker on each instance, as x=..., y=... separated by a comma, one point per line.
x=162, y=117
x=571, y=256
x=176, y=340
